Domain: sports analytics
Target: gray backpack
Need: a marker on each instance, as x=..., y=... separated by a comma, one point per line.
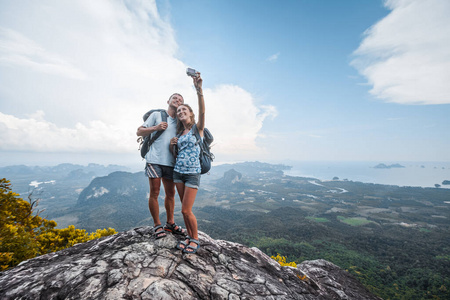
x=206, y=157
x=146, y=142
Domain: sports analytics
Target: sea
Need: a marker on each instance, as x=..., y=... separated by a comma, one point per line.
x=417, y=174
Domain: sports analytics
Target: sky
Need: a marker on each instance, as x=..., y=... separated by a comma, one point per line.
x=302, y=80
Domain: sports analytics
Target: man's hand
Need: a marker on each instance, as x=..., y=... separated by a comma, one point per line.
x=145, y=131
x=161, y=126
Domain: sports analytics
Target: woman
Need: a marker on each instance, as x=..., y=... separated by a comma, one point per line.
x=186, y=175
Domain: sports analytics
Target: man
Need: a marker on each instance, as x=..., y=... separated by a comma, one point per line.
x=159, y=166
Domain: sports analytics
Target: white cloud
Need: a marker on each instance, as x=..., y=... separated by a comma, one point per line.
x=16, y=49
x=43, y=136
x=78, y=77
x=406, y=55
x=234, y=120
x=274, y=57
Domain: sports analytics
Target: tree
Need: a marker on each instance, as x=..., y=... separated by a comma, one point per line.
x=24, y=234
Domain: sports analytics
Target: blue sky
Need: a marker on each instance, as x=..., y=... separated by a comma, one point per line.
x=298, y=80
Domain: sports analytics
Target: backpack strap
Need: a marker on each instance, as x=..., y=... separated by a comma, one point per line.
x=196, y=134
x=164, y=115
x=164, y=119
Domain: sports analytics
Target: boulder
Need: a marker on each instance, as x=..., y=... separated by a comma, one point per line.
x=133, y=265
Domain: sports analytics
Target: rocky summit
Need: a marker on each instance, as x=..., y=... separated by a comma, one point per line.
x=133, y=265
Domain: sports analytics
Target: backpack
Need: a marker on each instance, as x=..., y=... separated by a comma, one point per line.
x=147, y=141
x=206, y=157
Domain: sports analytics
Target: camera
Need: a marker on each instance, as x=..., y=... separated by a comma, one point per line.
x=191, y=72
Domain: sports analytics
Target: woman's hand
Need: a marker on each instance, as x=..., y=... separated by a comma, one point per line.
x=198, y=82
x=174, y=141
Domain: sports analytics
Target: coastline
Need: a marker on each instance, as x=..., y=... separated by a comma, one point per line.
x=416, y=174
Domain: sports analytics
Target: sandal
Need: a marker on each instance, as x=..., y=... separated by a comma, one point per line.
x=192, y=249
x=175, y=229
x=184, y=243
x=159, y=234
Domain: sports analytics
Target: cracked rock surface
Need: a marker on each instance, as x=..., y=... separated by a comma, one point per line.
x=133, y=265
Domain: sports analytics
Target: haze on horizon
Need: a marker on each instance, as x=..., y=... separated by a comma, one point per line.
x=295, y=80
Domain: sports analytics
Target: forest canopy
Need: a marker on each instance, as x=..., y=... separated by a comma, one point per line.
x=24, y=234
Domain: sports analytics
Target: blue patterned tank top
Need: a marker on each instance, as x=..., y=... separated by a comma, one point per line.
x=188, y=159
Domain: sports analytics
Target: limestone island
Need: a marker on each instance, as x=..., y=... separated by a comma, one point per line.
x=383, y=166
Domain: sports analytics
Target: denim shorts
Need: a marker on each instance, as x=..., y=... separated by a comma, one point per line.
x=189, y=180
x=158, y=171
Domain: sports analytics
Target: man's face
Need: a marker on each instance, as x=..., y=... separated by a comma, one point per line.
x=176, y=100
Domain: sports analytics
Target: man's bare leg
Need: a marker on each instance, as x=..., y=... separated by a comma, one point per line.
x=153, y=205
x=169, y=200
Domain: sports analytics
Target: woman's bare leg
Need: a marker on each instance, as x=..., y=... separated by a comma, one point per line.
x=180, y=189
x=186, y=209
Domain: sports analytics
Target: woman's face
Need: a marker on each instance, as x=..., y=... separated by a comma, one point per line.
x=183, y=113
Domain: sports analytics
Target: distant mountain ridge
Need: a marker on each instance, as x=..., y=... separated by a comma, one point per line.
x=118, y=200
x=230, y=177
x=130, y=185
x=56, y=187
x=63, y=169
x=254, y=168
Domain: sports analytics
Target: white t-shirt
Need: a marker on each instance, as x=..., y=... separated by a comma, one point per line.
x=159, y=152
